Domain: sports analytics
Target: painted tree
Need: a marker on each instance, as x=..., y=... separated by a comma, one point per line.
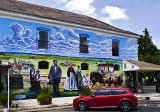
x=148, y=52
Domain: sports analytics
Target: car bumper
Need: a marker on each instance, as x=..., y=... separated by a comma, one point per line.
x=75, y=105
x=134, y=104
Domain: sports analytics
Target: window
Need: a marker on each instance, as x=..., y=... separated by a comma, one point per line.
x=116, y=67
x=43, y=39
x=84, y=66
x=43, y=65
x=83, y=43
x=118, y=91
x=103, y=92
x=115, y=48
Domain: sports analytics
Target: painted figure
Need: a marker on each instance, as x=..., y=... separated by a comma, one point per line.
x=55, y=77
x=71, y=82
x=78, y=72
x=37, y=81
x=32, y=72
x=87, y=81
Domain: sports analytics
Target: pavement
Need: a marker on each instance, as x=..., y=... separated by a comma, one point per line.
x=31, y=105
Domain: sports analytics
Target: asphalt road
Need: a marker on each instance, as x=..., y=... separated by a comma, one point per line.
x=143, y=106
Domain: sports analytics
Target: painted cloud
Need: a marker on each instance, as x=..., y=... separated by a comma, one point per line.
x=65, y=42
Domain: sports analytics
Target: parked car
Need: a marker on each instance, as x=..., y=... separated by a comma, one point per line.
x=107, y=98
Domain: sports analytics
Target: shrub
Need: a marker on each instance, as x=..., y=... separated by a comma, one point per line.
x=4, y=99
x=44, y=99
x=85, y=91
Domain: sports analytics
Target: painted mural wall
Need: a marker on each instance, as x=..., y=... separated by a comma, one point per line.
x=19, y=47
x=22, y=37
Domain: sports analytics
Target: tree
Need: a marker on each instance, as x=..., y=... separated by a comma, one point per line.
x=148, y=52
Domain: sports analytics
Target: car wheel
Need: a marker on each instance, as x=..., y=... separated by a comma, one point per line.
x=125, y=106
x=82, y=106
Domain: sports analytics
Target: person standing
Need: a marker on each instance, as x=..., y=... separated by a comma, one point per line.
x=55, y=77
x=72, y=79
x=32, y=73
x=79, y=76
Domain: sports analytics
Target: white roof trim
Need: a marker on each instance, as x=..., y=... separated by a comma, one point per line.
x=23, y=17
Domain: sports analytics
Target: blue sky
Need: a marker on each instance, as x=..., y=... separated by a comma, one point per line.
x=130, y=15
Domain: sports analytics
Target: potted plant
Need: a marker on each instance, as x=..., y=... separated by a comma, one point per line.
x=44, y=98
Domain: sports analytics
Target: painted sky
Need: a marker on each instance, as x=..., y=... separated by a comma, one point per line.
x=22, y=37
x=130, y=15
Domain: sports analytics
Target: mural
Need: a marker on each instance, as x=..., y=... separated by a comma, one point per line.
x=22, y=37
x=19, y=48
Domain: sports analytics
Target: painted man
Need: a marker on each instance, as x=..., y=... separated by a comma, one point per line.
x=32, y=73
x=55, y=77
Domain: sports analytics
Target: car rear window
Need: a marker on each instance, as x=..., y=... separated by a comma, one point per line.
x=118, y=91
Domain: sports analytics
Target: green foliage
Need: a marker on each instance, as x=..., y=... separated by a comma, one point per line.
x=4, y=99
x=85, y=91
x=148, y=52
x=44, y=97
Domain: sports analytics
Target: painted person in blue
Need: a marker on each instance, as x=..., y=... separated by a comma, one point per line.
x=55, y=77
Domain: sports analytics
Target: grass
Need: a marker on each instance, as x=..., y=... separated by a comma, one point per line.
x=32, y=95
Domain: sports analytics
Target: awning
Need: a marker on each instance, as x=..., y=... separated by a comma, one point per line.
x=135, y=65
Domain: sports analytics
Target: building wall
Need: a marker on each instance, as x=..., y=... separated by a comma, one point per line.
x=19, y=41
x=22, y=37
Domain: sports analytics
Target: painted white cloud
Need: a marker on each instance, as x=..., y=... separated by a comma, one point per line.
x=81, y=6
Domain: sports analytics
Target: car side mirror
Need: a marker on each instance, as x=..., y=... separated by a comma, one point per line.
x=93, y=95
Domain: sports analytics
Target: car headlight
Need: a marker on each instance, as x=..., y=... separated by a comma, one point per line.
x=75, y=100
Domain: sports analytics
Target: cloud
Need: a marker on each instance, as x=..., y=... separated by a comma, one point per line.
x=81, y=6
x=61, y=1
x=59, y=36
x=71, y=33
x=131, y=42
x=9, y=40
x=114, y=13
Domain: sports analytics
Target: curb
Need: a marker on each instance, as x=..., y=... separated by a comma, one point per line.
x=149, y=98
x=35, y=109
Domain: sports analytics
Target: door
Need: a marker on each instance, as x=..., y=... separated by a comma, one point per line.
x=131, y=81
x=101, y=98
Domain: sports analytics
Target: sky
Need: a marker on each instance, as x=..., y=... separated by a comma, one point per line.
x=129, y=15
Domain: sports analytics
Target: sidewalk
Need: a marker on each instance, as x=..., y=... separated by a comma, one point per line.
x=30, y=105
x=148, y=96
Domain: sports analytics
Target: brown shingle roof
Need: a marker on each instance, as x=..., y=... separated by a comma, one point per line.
x=51, y=13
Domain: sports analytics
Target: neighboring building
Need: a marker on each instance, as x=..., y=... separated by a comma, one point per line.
x=38, y=35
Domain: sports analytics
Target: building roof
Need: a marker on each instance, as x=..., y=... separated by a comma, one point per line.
x=55, y=14
x=145, y=66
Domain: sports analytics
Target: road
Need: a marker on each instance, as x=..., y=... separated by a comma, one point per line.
x=143, y=106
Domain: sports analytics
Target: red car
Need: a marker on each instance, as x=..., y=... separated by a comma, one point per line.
x=107, y=98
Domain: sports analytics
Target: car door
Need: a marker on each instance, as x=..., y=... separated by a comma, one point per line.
x=117, y=95
x=100, y=98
